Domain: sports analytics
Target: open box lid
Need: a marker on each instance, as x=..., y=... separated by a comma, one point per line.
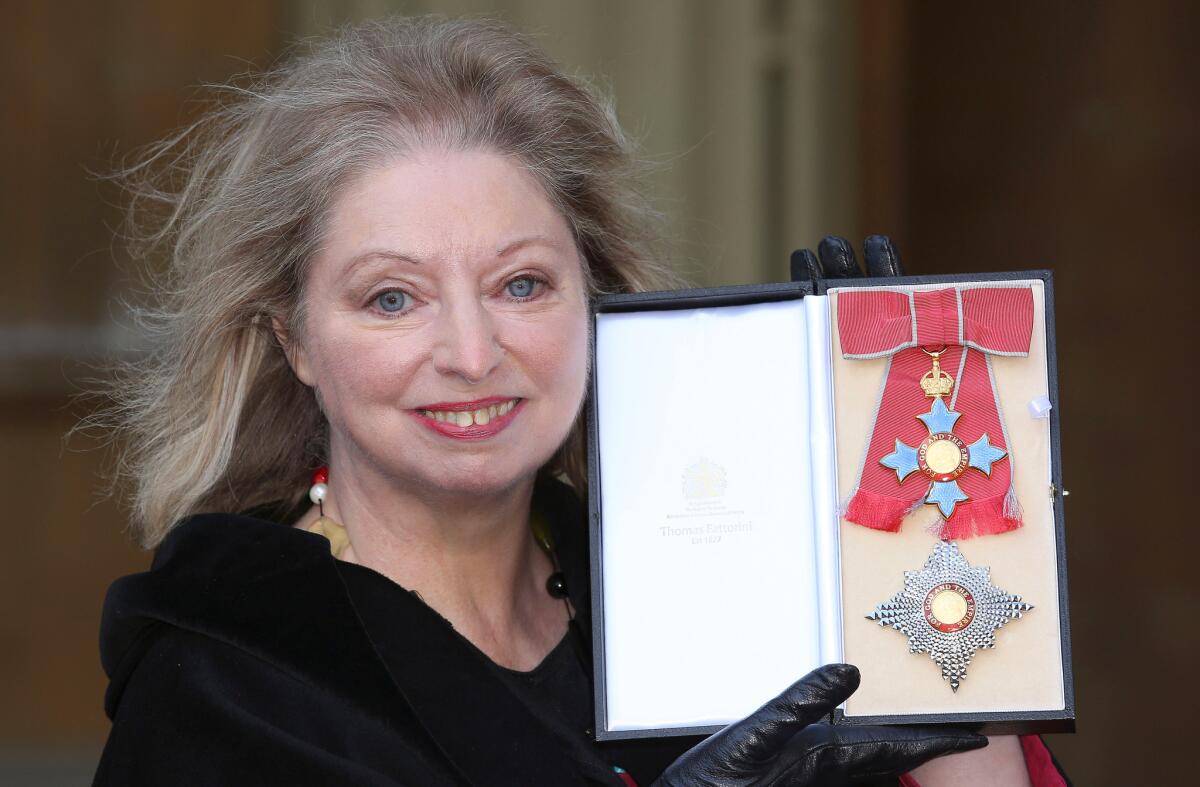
x=714, y=495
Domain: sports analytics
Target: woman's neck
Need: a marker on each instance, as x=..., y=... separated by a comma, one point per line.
x=472, y=558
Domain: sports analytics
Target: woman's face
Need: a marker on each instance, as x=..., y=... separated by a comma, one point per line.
x=446, y=324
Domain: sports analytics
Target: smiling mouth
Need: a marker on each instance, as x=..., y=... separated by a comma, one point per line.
x=469, y=413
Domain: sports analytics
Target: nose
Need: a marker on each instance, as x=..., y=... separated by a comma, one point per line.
x=466, y=344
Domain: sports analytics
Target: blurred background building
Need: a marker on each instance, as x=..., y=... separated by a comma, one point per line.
x=982, y=137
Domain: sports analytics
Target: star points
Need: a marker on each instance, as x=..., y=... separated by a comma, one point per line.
x=942, y=457
x=945, y=495
x=983, y=454
x=939, y=418
x=903, y=460
x=950, y=610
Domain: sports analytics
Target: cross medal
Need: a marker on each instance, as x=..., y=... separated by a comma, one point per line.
x=942, y=456
x=949, y=609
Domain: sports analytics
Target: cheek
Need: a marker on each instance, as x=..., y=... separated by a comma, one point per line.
x=557, y=354
x=581, y=354
x=356, y=371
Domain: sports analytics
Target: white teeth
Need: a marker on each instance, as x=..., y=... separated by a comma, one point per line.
x=439, y=416
x=463, y=419
x=492, y=411
x=481, y=417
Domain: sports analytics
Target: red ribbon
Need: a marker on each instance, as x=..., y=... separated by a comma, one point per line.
x=972, y=323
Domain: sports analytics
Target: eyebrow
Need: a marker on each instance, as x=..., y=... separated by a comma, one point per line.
x=373, y=255
x=532, y=240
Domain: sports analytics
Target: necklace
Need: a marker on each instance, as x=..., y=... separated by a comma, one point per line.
x=339, y=539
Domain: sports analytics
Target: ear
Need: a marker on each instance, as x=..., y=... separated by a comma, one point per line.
x=294, y=350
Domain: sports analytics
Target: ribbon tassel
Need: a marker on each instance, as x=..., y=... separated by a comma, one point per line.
x=879, y=512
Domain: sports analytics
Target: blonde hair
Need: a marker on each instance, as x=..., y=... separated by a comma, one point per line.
x=212, y=418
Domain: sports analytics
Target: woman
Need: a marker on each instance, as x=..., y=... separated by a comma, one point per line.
x=381, y=260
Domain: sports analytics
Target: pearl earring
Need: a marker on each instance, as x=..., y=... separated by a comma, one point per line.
x=339, y=539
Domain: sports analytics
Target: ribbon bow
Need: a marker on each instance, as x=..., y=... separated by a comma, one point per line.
x=948, y=450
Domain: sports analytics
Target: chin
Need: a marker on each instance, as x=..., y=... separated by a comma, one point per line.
x=480, y=479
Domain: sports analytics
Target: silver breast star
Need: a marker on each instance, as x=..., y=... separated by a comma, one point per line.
x=949, y=609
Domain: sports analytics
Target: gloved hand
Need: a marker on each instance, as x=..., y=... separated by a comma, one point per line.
x=837, y=259
x=785, y=742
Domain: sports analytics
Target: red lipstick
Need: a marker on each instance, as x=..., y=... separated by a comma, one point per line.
x=478, y=404
x=475, y=431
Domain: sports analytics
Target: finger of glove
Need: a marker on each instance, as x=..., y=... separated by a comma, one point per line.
x=837, y=258
x=765, y=733
x=804, y=266
x=881, y=256
x=824, y=752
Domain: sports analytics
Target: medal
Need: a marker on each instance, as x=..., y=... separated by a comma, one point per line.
x=953, y=454
x=949, y=609
x=942, y=457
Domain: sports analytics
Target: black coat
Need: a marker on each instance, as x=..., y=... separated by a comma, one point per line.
x=240, y=658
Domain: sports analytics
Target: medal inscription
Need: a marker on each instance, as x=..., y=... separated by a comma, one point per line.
x=943, y=457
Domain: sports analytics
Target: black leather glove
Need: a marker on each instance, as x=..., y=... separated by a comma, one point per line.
x=785, y=742
x=837, y=260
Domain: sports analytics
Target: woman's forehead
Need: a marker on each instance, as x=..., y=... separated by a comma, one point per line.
x=432, y=205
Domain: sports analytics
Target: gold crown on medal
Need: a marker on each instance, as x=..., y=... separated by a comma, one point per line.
x=935, y=382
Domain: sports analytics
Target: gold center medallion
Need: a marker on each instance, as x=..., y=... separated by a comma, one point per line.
x=949, y=607
x=942, y=456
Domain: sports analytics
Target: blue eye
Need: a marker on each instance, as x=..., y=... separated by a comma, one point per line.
x=522, y=287
x=392, y=300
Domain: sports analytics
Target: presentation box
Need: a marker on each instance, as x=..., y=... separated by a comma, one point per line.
x=861, y=470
